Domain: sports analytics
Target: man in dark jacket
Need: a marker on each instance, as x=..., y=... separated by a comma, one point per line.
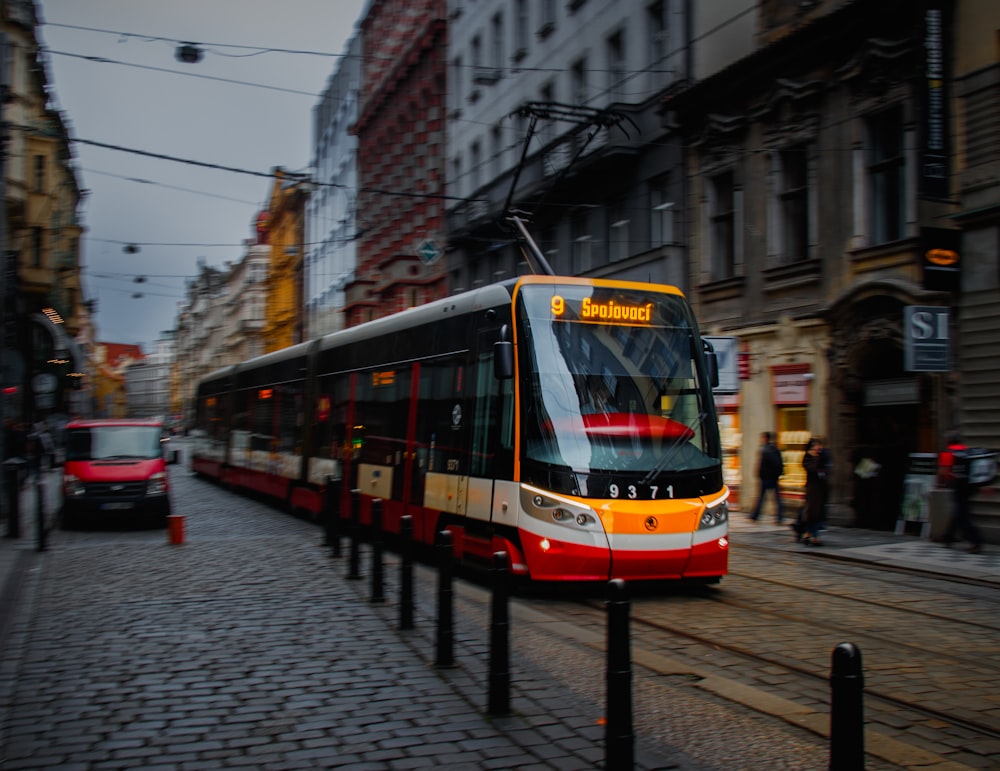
x=770, y=467
x=953, y=473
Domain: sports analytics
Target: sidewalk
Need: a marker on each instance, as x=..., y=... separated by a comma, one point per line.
x=901, y=552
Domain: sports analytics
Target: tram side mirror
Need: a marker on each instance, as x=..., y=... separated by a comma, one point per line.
x=503, y=356
x=712, y=363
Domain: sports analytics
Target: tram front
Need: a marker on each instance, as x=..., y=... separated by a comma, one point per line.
x=619, y=455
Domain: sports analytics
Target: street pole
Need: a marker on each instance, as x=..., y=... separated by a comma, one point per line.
x=4, y=511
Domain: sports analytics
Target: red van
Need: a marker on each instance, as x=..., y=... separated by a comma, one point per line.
x=115, y=467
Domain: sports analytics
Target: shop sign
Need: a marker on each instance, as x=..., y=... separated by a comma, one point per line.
x=941, y=259
x=790, y=384
x=926, y=338
x=935, y=169
x=882, y=393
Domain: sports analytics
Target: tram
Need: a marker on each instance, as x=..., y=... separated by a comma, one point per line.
x=568, y=422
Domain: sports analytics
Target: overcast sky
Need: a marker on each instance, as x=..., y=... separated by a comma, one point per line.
x=142, y=98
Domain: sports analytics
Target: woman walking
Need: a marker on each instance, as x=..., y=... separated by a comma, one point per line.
x=817, y=466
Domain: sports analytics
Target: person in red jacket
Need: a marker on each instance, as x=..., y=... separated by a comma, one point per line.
x=952, y=474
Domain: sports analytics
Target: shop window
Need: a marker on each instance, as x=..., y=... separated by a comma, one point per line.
x=731, y=435
x=793, y=435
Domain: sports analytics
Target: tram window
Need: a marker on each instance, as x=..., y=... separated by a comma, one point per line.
x=381, y=410
x=290, y=418
x=439, y=424
x=263, y=419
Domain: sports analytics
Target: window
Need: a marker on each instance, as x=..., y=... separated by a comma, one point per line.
x=661, y=221
x=456, y=173
x=476, y=52
x=722, y=238
x=521, y=23
x=885, y=175
x=457, y=83
x=656, y=26
x=496, y=139
x=581, y=243
x=548, y=20
x=546, y=128
x=619, y=246
x=475, y=161
x=615, y=48
x=578, y=82
x=794, y=204
x=496, y=31
x=39, y=173
x=36, y=247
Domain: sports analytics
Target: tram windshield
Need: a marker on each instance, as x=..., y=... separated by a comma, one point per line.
x=612, y=381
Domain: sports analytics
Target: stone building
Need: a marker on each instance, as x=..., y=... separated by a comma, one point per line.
x=331, y=213
x=40, y=230
x=821, y=175
x=401, y=146
x=285, y=324
x=147, y=381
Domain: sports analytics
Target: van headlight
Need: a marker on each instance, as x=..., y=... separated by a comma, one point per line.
x=157, y=484
x=713, y=516
x=72, y=486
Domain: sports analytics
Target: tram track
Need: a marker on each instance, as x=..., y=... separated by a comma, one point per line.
x=723, y=634
x=806, y=671
x=848, y=569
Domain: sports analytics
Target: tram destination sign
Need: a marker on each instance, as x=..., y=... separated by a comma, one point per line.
x=606, y=312
x=927, y=338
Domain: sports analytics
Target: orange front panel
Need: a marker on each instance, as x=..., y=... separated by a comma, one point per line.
x=551, y=560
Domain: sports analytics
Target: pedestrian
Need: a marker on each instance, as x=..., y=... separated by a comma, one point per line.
x=953, y=473
x=816, y=463
x=770, y=467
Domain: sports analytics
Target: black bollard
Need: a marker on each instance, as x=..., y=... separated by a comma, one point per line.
x=12, y=488
x=40, y=531
x=847, y=718
x=354, y=567
x=445, y=631
x=406, y=572
x=499, y=693
x=331, y=515
x=619, y=739
x=378, y=587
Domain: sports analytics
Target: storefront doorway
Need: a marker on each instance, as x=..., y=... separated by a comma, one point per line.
x=882, y=413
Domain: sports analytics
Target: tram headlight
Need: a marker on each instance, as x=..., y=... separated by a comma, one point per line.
x=561, y=515
x=550, y=507
x=713, y=516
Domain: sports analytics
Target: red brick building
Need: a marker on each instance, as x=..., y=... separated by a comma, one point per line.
x=401, y=160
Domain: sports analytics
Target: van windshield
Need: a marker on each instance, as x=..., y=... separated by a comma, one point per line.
x=109, y=442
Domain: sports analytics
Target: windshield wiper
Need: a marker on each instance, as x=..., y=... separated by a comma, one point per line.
x=670, y=453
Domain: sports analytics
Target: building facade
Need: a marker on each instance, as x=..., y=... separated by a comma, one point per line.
x=818, y=182
x=40, y=231
x=976, y=94
x=200, y=321
x=109, y=366
x=285, y=324
x=223, y=319
x=331, y=213
x=600, y=181
x=147, y=382
x=401, y=144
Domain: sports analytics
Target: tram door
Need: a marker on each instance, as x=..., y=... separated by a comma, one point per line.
x=492, y=438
